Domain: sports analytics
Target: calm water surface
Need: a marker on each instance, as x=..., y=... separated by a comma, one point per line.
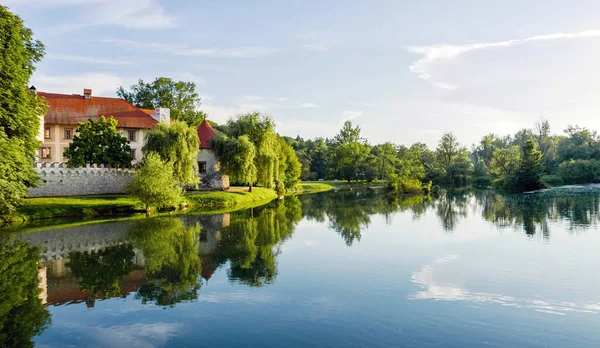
x=344, y=269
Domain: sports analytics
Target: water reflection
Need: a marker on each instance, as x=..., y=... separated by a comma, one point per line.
x=164, y=261
x=349, y=212
x=22, y=314
x=251, y=242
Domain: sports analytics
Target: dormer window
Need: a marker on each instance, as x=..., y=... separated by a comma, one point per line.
x=87, y=94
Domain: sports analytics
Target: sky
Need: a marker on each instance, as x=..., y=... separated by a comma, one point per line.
x=405, y=71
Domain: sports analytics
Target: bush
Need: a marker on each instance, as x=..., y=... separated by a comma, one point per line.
x=397, y=184
x=154, y=184
x=482, y=181
x=552, y=180
x=580, y=171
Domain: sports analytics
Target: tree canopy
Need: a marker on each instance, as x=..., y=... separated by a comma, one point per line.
x=154, y=183
x=251, y=151
x=20, y=110
x=178, y=145
x=99, y=142
x=179, y=96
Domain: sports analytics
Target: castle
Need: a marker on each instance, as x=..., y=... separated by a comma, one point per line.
x=59, y=125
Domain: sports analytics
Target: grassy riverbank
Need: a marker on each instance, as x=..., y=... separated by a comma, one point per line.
x=119, y=205
x=35, y=209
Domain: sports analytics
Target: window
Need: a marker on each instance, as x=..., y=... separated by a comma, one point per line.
x=131, y=135
x=46, y=152
x=133, y=153
x=68, y=133
x=202, y=167
x=47, y=132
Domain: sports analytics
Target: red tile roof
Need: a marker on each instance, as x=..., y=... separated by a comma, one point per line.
x=70, y=109
x=205, y=133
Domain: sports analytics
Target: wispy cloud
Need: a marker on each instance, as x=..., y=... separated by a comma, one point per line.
x=435, y=53
x=188, y=51
x=349, y=115
x=101, y=83
x=132, y=14
x=309, y=105
x=84, y=59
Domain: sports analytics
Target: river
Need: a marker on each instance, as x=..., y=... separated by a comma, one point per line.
x=335, y=269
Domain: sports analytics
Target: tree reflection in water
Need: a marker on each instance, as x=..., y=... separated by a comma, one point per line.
x=251, y=242
x=22, y=314
x=99, y=272
x=349, y=212
x=172, y=262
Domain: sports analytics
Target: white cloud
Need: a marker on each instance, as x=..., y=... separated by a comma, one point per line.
x=133, y=14
x=102, y=84
x=435, y=53
x=349, y=115
x=309, y=105
x=84, y=59
x=187, y=51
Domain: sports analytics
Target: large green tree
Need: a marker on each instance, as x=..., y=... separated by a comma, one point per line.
x=164, y=92
x=237, y=158
x=348, y=153
x=20, y=110
x=99, y=142
x=177, y=144
x=154, y=184
x=454, y=161
x=251, y=152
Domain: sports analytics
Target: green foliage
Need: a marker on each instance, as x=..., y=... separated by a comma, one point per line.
x=403, y=185
x=237, y=157
x=552, y=180
x=164, y=92
x=580, y=171
x=178, y=145
x=20, y=110
x=99, y=272
x=290, y=167
x=154, y=184
x=252, y=152
x=22, y=314
x=99, y=142
x=482, y=181
x=518, y=171
x=172, y=260
x=456, y=167
x=348, y=154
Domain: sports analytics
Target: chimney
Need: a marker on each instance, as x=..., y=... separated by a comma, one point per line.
x=87, y=93
x=32, y=89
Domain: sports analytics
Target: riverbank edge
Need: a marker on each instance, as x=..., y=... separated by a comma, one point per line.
x=106, y=206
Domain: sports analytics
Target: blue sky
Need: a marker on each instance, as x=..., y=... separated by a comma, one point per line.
x=405, y=71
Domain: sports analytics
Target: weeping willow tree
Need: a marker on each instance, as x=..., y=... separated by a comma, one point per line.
x=237, y=157
x=177, y=144
x=270, y=161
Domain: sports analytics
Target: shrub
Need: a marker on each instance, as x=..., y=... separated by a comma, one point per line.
x=482, y=181
x=397, y=184
x=580, y=171
x=154, y=184
x=552, y=180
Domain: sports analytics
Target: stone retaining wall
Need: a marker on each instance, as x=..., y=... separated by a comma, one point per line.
x=57, y=180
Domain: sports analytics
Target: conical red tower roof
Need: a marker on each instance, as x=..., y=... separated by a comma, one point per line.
x=205, y=133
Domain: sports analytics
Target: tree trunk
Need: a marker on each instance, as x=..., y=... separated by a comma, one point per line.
x=250, y=187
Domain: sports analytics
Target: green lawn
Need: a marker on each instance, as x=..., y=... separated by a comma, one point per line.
x=115, y=205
